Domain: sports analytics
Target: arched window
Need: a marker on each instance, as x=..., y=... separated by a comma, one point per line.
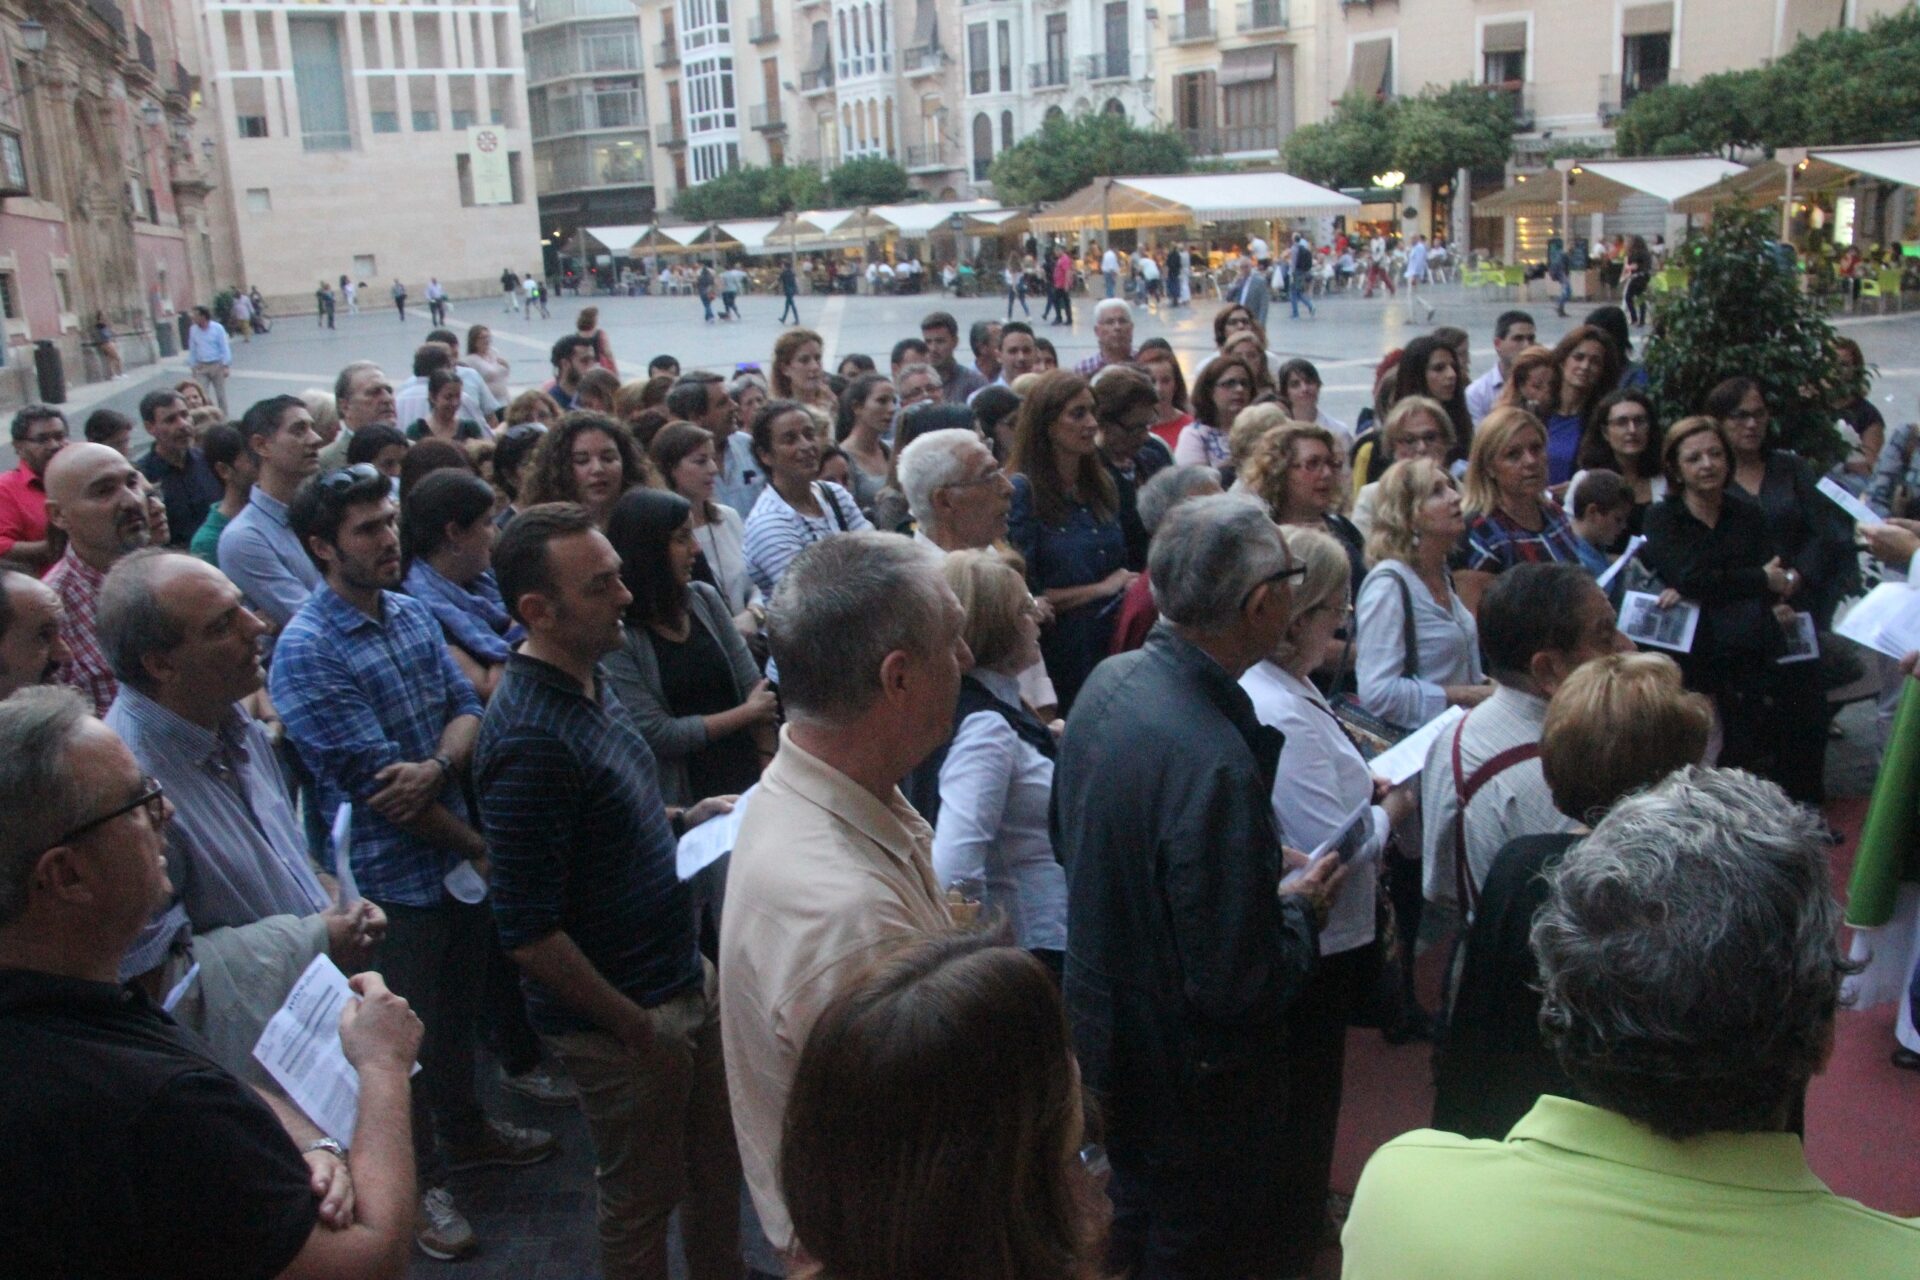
x=872, y=44
x=888, y=108
x=1055, y=113
x=1114, y=107
x=982, y=145
x=1006, y=130
x=841, y=18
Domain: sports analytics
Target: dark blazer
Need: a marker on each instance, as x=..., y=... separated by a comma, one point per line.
x=1181, y=958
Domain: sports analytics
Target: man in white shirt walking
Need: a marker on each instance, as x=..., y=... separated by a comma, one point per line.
x=1110, y=269
x=1418, y=273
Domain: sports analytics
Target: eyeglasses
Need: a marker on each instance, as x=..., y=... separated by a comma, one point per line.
x=1421, y=440
x=1232, y=384
x=1283, y=575
x=152, y=798
x=338, y=482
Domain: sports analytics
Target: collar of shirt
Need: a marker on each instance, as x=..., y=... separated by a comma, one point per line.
x=1507, y=701
x=553, y=679
x=22, y=989
x=28, y=478
x=267, y=505
x=177, y=736
x=85, y=578
x=343, y=616
x=1221, y=689
x=1000, y=685
x=893, y=825
x=1759, y=1161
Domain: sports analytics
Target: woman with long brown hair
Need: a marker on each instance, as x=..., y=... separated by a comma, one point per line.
x=1589, y=366
x=935, y=1125
x=799, y=372
x=1066, y=522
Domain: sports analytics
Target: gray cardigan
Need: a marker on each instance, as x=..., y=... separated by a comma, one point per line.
x=635, y=673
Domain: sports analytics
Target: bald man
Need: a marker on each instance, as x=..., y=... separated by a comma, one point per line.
x=95, y=496
x=31, y=650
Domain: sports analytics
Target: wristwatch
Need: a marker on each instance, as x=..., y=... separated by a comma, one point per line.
x=327, y=1145
x=445, y=762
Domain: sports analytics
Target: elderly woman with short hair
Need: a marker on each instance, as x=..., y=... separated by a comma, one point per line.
x=996, y=774
x=1619, y=724
x=1690, y=969
x=1323, y=794
x=1295, y=470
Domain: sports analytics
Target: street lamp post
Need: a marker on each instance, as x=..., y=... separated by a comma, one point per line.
x=1569, y=169
x=1795, y=160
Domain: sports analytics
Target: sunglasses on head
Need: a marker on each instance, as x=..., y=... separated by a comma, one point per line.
x=338, y=482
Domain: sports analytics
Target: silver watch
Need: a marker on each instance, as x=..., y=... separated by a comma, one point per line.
x=327, y=1145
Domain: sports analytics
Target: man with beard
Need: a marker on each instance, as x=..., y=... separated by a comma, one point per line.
x=31, y=648
x=98, y=499
x=386, y=722
x=258, y=548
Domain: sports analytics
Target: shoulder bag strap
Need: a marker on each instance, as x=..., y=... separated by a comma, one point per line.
x=1409, y=638
x=832, y=504
x=1464, y=789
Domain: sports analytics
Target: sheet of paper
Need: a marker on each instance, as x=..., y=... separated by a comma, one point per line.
x=1886, y=619
x=1332, y=843
x=1803, y=642
x=1858, y=511
x=712, y=840
x=300, y=1049
x=342, y=856
x=1634, y=544
x=1644, y=621
x=1407, y=757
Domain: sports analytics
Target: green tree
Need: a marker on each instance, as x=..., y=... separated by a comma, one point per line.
x=752, y=191
x=1441, y=132
x=1067, y=154
x=868, y=180
x=1347, y=148
x=1719, y=115
x=1743, y=314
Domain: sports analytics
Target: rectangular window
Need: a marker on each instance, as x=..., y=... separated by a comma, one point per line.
x=9, y=305
x=1056, y=48
x=259, y=200
x=1005, y=33
x=13, y=165
x=427, y=121
x=318, y=79
x=253, y=126
x=1646, y=60
x=979, y=64
x=1504, y=68
x=462, y=120
x=386, y=121
x=363, y=267
x=63, y=292
x=1117, y=45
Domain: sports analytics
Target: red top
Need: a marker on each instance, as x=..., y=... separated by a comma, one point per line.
x=1169, y=432
x=23, y=508
x=1136, y=618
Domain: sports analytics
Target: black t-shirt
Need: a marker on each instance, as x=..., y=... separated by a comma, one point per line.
x=126, y=1151
x=697, y=680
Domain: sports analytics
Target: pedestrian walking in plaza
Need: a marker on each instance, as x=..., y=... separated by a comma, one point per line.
x=242, y=314
x=350, y=294
x=510, y=286
x=1063, y=288
x=1560, y=271
x=703, y=285
x=733, y=282
x=211, y=355
x=1300, y=275
x=436, y=300
x=1419, y=272
x=1110, y=269
x=789, y=289
x=536, y=295
x=399, y=292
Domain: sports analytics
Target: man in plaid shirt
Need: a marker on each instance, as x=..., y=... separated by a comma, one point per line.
x=386, y=722
x=94, y=496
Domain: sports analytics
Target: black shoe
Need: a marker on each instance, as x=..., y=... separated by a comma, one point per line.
x=1906, y=1059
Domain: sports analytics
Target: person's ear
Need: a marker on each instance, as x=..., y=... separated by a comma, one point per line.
x=1549, y=668
x=894, y=675
x=55, y=516
x=58, y=874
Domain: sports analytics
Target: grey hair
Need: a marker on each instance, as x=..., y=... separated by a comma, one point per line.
x=741, y=381
x=1170, y=486
x=920, y=366
x=132, y=620
x=343, y=385
x=842, y=606
x=1689, y=953
x=37, y=726
x=1106, y=305
x=931, y=462
x=1208, y=555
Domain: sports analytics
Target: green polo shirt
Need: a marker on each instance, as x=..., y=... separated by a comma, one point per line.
x=1577, y=1190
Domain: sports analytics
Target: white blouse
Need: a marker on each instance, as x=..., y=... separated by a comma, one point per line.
x=994, y=794
x=1321, y=783
x=723, y=542
x=1444, y=633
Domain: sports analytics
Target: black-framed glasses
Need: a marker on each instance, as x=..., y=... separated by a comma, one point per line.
x=1284, y=575
x=338, y=482
x=152, y=797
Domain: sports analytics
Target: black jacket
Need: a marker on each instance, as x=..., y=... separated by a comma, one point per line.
x=1181, y=958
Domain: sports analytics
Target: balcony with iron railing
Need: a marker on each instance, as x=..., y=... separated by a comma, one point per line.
x=670, y=133
x=1113, y=64
x=929, y=157
x=921, y=59
x=818, y=80
x=1051, y=74
x=667, y=53
x=550, y=11
x=761, y=29
x=553, y=116
x=110, y=13
x=1193, y=26
x=1232, y=139
x=766, y=117
x=1518, y=95
x=1262, y=15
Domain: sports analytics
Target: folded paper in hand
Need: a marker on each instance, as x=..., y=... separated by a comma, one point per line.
x=1408, y=757
x=1887, y=619
x=300, y=1049
x=713, y=839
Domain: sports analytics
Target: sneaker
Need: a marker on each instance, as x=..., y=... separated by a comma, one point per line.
x=543, y=1085
x=504, y=1144
x=440, y=1230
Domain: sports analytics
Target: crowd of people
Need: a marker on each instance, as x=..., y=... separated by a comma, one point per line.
x=1063, y=868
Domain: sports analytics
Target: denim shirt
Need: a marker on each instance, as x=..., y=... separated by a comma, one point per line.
x=1078, y=552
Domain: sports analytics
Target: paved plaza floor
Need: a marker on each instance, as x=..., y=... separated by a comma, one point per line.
x=1345, y=339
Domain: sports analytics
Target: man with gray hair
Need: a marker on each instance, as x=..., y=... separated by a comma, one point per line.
x=957, y=493
x=1184, y=946
x=831, y=861
x=363, y=397
x=1690, y=967
x=32, y=650
x=1113, y=331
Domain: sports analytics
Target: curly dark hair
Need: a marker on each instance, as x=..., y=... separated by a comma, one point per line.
x=548, y=476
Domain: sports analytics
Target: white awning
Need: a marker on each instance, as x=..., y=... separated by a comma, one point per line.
x=751, y=235
x=1666, y=180
x=1191, y=198
x=617, y=239
x=1899, y=164
x=917, y=220
x=684, y=234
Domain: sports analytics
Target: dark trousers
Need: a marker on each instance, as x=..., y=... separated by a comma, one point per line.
x=1316, y=1055
x=436, y=959
x=504, y=1022
x=1636, y=299
x=791, y=309
x=727, y=308
x=1063, y=305
x=1778, y=729
x=437, y=310
x=1199, y=1200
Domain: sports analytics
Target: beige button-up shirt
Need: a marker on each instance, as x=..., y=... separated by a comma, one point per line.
x=822, y=872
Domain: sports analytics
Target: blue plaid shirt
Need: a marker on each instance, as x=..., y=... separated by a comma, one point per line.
x=358, y=694
x=474, y=617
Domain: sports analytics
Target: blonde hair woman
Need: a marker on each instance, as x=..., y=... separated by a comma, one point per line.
x=1249, y=428
x=995, y=778
x=1416, y=427
x=1510, y=518
x=1321, y=784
